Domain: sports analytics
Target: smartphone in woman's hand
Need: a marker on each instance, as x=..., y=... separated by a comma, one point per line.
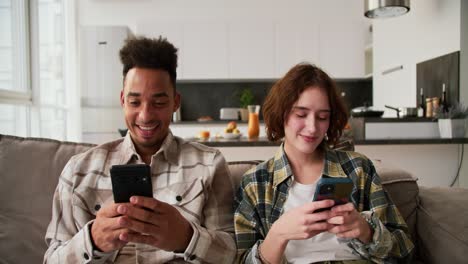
x=337, y=189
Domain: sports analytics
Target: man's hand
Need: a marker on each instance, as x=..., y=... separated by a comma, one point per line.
x=155, y=223
x=347, y=222
x=107, y=228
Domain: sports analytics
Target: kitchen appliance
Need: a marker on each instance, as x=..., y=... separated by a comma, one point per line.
x=385, y=8
x=404, y=111
x=366, y=111
x=229, y=113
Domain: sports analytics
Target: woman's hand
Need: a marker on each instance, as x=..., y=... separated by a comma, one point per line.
x=297, y=224
x=347, y=222
x=302, y=222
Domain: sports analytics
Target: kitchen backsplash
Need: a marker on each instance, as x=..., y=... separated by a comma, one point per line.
x=206, y=98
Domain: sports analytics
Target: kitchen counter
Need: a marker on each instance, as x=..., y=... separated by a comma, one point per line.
x=211, y=122
x=411, y=141
x=263, y=142
x=240, y=142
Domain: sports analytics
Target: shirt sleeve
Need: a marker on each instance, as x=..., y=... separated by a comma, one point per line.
x=391, y=239
x=213, y=240
x=67, y=243
x=246, y=221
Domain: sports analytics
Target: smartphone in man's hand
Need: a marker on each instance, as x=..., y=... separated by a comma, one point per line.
x=337, y=189
x=131, y=180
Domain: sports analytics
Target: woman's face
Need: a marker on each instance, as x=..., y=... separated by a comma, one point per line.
x=307, y=122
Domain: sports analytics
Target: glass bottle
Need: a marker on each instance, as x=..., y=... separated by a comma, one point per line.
x=443, y=103
x=253, y=129
x=422, y=105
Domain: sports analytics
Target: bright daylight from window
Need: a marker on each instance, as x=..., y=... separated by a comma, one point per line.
x=32, y=90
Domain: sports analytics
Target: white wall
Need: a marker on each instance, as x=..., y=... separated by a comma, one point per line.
x=429, y=30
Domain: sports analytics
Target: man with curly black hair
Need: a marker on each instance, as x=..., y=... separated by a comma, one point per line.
x=188, y=219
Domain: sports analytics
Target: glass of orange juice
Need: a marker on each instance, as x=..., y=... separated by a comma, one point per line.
x=253, y=129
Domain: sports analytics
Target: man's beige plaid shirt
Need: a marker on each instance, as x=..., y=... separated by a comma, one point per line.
x=196, y=173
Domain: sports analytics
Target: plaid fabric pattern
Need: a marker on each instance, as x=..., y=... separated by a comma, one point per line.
x=264, y=189
x=196, y=173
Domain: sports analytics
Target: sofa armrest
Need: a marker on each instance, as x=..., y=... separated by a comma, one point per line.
x=442, y=225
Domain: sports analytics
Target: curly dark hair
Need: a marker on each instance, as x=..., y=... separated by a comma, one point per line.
x=286, y=91
x=149, y=53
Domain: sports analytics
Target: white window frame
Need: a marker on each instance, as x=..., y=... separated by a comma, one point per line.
x=25, y=32
x=21, y=60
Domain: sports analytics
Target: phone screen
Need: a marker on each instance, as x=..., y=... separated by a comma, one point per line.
x=131, y=180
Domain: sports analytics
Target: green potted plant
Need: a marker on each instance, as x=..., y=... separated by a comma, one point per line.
x=452, y=123
x=246, y=98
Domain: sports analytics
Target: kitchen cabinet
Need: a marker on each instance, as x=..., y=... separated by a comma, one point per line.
x=342, y=49
x=101, y=69
x=251, y=50
x=295, y=42
x=267, y=49
x=395, y=81
x=205, y=50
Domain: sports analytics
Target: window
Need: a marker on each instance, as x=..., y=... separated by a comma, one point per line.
x=33, y=79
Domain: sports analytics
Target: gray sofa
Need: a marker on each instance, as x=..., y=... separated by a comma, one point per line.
x=30, y=167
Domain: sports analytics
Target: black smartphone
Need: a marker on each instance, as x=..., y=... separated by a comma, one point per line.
x=130, y=180
x=337, y=189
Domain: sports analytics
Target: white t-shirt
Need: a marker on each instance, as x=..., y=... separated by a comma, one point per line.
x=322, y=247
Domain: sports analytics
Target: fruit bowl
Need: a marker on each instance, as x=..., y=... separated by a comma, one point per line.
x=231, y=135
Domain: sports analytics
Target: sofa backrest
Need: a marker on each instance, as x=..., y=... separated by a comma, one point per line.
x=26, y=204
x=29, y=171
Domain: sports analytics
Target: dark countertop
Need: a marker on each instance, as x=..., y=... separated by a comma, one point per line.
x=240, y=142
x=394, y=119
x=263, y=142
x=211, y=122
x=412, y=141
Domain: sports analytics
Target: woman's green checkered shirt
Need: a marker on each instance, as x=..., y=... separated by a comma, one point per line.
x=264, y=190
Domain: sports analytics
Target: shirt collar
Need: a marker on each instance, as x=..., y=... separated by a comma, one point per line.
x=282, y=168
x=332, y=167
x=169, y=149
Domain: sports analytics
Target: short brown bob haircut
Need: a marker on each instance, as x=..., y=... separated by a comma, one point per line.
x=286, y=91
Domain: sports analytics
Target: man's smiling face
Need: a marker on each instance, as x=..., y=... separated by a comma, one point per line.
x=148, y=101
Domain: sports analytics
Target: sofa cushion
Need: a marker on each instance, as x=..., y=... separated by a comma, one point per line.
x=442, y=225
x=27, y=204
x=238, y=168
x=403, y=190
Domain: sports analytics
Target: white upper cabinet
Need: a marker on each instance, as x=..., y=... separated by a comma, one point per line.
x=342, y=49
x=251, y=50
x=101, y=69
x=266, y=49
x=205, y=51
x=295, y=42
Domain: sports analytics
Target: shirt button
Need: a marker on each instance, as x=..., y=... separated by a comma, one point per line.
x=97, y=207
x=193, y=257
x=179, y=198
x=85, y=255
